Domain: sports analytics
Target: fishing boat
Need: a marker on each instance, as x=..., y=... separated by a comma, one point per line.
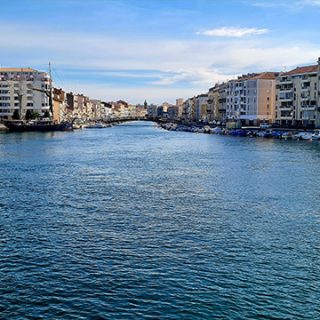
x=37, y=125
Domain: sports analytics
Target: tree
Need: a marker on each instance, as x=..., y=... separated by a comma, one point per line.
x=16, y=115
x=46, y=114
x=29, y=114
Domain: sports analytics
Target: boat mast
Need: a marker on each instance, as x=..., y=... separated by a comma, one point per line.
x=50, y=91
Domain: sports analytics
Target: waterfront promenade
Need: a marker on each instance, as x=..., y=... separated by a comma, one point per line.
x=135, y=222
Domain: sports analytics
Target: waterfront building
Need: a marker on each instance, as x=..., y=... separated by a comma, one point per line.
x=179, y=102
x=107, y=110
x=60, y=111
x=188, y=114
x=20, y=90
x=217, y=102
x=132, y=111
x=180, y=107
x=70, y=101
x=201, y=107
x=141, y=110
x=297, y=97
x=222, y=101
x=165, y=106
x=152, y=111
x=122, y=108
x=81, y=107
x=95, y=109
x=160, y=113
x=250, y=99
x=173, y=113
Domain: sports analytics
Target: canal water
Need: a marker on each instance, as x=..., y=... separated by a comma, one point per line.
x=134, y=222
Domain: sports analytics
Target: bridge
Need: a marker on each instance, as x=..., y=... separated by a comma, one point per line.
x=112, y=121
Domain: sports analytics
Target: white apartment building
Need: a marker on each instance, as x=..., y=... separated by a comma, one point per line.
x=17, y=91
x=297, y=97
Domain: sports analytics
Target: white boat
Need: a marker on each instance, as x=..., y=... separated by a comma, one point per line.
x=306, y=136
x=316, y=135
x=216, y=130
x=97, y=125
x=261, y=134
x=287, y=135
x=298, y=136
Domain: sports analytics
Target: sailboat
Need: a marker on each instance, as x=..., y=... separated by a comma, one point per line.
x=44, y=125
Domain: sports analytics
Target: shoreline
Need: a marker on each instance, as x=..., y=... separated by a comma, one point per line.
x=275, y=133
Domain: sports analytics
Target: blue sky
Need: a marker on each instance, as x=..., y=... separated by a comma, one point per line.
x=157, y=50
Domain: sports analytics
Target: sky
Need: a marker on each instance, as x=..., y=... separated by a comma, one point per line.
x=157, y=50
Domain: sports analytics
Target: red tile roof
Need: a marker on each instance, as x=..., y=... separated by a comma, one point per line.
x=301, y=70
x=266, y=76
x=17, y=70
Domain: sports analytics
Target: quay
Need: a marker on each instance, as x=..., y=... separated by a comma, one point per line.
x=262, y=132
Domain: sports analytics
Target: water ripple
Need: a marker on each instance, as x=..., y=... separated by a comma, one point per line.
x=134, y=222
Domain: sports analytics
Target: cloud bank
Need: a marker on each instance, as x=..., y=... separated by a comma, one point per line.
x=233, y=32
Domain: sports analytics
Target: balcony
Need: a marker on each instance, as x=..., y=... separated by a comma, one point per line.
x=285, y=108
x=285, y=81
x=285, y=90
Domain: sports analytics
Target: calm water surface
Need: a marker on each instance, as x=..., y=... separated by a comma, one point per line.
x=134, y=222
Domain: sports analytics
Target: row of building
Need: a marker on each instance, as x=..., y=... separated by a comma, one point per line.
x=287, y=98
x=26, y=91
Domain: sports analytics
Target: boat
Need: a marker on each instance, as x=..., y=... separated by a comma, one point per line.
x=216, y=130
x=287, y=135
x=268, y=134
x=36, y=125
x=306, y=136
x=97, y=125
x=316, y=135
x=298, y=136
x=261, y=134
x=302, y=136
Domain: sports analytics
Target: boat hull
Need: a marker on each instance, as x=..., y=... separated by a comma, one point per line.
x=24, y=127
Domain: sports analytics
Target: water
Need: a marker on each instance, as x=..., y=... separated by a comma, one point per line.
x=134, y=222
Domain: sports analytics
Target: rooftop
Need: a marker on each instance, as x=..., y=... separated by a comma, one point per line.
x=17, y=70
x=301, y=70
x=266, y=75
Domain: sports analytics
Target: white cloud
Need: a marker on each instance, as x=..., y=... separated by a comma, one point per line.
x=233, y=32
x=198, y=77
x=170, y=65
x=309, y=3
x=135, y=94
x=293, y=6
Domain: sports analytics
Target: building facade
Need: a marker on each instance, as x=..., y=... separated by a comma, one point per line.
x=297, y=97
x=21, y=90
x=59, y=105
x=250, y=99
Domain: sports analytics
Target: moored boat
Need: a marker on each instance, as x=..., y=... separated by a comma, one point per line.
x=316, y=135
x=36, y=125
x=97, y=125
